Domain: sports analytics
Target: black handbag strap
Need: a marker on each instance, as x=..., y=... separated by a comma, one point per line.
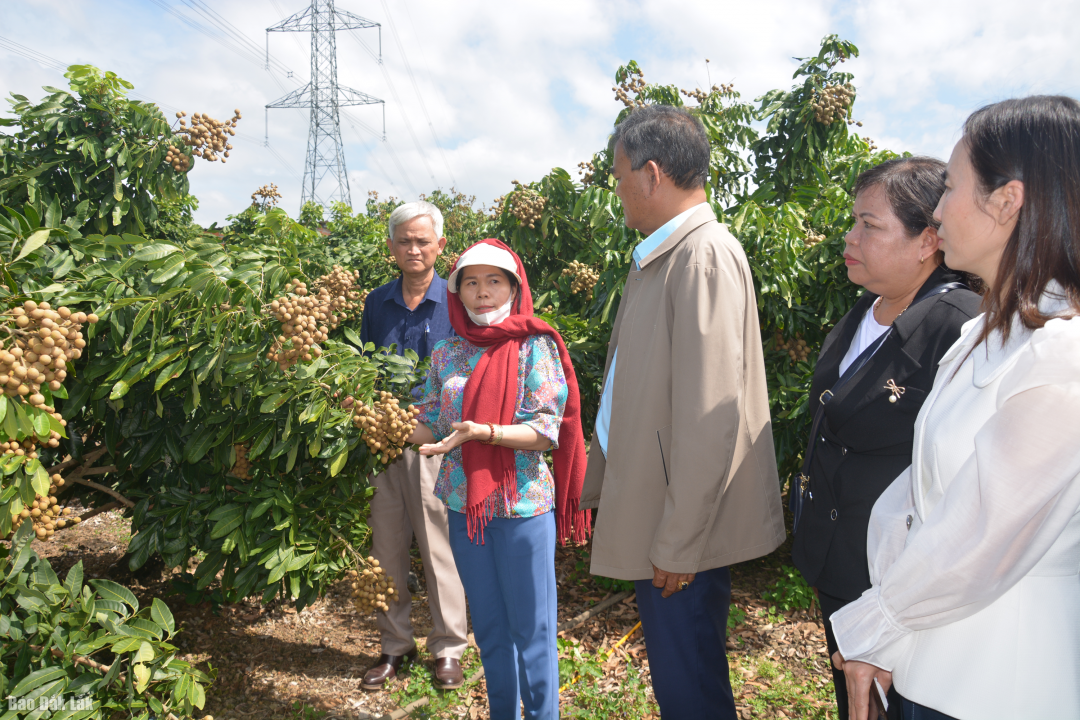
x=857, y=365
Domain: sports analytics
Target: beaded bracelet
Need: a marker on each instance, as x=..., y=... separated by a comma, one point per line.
x=491, y=437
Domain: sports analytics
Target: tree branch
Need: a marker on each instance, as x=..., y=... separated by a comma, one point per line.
x=88, y=459
x=100, y=470
x=108, y=491
x=80, y=660
x=97, y=511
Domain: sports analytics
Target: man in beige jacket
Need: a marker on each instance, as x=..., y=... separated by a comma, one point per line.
x=681, y=467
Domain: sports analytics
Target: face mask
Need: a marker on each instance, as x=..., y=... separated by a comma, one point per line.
x=494, y=317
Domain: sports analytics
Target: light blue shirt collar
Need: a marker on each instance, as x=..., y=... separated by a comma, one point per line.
x=662, y=233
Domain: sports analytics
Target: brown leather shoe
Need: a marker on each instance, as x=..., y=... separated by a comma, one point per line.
x=385, y=669
x=448, y=675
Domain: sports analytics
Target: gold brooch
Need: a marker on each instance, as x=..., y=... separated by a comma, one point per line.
x=895, y=389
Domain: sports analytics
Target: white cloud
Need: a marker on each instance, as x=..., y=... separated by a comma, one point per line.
x=514, y=89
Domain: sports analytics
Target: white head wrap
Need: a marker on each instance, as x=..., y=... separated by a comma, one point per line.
x=485, y=254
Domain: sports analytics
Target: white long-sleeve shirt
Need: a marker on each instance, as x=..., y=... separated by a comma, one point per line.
x=974, y=551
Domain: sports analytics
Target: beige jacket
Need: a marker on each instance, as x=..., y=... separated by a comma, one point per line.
x=690, y=482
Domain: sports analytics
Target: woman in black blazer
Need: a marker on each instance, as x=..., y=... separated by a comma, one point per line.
x=889, y=344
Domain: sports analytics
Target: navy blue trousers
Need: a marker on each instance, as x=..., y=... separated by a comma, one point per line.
x=915, y=711
x=685, y=639
x=510, y=584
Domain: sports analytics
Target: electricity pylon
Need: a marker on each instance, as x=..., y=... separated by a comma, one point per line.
x=325, y=154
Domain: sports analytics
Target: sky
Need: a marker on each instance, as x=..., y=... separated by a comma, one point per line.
x=478, y=94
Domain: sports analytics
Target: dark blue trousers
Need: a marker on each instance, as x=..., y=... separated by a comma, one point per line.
x=915, y=711
x=510, y=584
x=685, y=638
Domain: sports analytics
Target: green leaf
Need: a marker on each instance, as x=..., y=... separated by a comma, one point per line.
x=162, y=615
x=146, y=652
x=199, y=444
x=195, y=396
x=197, y=695
x=39, y=479
x=170, y=372
x=110, y=590
x=142, y=673
x=228, y=523
x=33, y=243
x=74, y=580
x=262, y=442
x=338, y=462
x=126, y=644
x=156, y=251
x=351, y=335
x=41, y=424
x=38, y=678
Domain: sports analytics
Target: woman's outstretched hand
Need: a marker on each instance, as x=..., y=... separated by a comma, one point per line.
x=463, y=432
x=860, y=683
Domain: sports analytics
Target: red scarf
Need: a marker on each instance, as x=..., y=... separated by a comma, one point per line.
x=491, y=396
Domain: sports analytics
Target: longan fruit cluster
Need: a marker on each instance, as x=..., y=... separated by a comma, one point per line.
x=584, y=277
x=385, y=425
x=207, y=137
x=38, y=349
x=497, y=206
x=178, y=159
x=796, y=347
x=812, y=238
x=241, y=469
x=634, y=83
x=371, y=587
x=46, y=513
x=28, y=446
x=307, y=319
x=449, y=257
x=586, y=170
x=701, y=96
x=527, y=205
x=831, y=103
x=266, y=197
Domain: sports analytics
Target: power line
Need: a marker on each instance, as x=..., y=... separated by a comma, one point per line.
x=54, y=64
x=231, y=30
x=419, y=95
x=353, y=122
x=30, y=54
x=404, y=115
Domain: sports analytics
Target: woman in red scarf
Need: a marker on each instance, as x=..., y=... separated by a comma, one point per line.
x=497, y=397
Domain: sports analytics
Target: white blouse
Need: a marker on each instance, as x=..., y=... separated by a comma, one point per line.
x=869, y=331
x=974, y=550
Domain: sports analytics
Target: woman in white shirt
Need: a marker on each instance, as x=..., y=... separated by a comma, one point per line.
x=875, y=369
x=974, y=550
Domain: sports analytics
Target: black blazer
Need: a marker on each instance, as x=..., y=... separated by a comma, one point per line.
x=865, y=441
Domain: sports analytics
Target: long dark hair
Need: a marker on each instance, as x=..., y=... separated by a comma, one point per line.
x=1035, y=140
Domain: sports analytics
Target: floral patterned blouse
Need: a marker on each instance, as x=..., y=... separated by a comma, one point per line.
x=541, y=397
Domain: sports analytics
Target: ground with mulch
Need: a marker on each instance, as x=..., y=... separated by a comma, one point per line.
x=276, y=664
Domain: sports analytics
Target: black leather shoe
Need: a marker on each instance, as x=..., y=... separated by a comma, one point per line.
x=385, y=670
x=448, y=675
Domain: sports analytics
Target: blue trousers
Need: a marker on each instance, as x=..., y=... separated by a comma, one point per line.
x=510, y=584
x=685, y=639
